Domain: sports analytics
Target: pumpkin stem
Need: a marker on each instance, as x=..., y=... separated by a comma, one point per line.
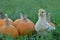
x=21, y=15
x=7, y=21
x=0, y=17
x=48, y=17
x=25, y=16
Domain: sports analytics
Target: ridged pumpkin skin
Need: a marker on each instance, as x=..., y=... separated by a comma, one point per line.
x=17, y=22
x=25, y=26
x=2, y=22
x=9, y=30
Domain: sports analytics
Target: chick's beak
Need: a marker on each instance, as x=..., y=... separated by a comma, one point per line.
x=40, y=13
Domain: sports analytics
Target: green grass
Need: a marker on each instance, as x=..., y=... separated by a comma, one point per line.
x=30, y=8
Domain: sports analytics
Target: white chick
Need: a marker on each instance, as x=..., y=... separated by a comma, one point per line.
x=41, y=26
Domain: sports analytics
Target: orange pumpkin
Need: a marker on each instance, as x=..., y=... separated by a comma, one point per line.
x=9, y=29
x=2, y=22
x=24, y=26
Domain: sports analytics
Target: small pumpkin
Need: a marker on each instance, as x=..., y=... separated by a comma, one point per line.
x=24, y=25
x=2, y=22
x=9, y=29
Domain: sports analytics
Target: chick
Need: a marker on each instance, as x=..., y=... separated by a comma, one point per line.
x=41, y=25
x=52, y=27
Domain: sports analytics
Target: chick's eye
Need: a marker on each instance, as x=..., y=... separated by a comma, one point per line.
x=42, y=12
